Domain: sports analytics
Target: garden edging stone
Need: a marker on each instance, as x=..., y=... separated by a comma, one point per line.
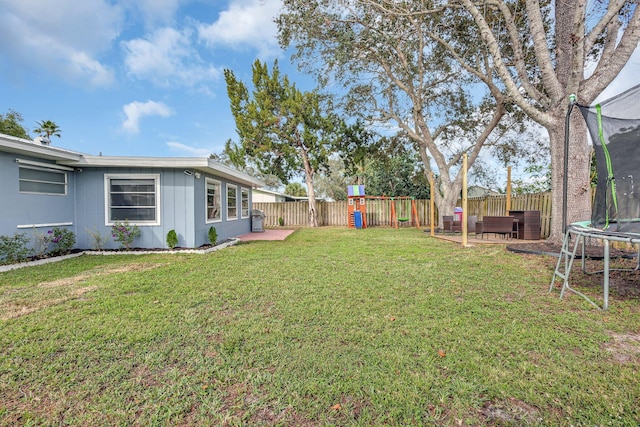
x=9, y=267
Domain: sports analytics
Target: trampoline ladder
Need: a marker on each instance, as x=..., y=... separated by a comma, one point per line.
x=564, y=265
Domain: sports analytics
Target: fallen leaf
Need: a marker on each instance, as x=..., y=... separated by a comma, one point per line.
x=336, y=407
x=441, y=353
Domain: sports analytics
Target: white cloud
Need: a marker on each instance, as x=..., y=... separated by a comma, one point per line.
x=167, y=59
x=65, y=37
x=186, y=149
x=155, y=11
x=246, y=23
x=135, y=111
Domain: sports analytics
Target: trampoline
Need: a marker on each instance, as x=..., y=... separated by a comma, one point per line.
x=614, y=128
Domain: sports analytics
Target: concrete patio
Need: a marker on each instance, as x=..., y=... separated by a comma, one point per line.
x=267, y=234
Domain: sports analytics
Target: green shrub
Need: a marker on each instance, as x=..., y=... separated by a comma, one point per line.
x=124, y=233
x=172, y=239
x=281, y=221
x=213, y=235
x=62, y=239
x=14, y=249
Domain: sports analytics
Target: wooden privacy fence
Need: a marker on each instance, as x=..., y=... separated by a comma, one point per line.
x=379, y=211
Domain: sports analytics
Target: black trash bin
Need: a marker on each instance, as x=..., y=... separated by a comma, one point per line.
x=257, y=221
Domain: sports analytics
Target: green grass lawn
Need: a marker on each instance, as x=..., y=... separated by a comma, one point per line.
x=330, y=327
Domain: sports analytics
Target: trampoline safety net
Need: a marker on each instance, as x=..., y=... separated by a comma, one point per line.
x=614, y=126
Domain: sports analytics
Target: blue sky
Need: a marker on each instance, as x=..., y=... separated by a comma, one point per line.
x=134, y=77
x=142, y=77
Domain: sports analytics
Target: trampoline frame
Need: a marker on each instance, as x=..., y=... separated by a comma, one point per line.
x=582, y=231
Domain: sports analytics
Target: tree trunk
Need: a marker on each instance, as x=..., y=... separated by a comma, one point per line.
x=446, y=199
x=312, y=220
x=578, y=178
x=313, y=213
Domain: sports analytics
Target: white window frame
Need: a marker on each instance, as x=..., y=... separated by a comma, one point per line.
x=234, y=188
x=107, y=198
x=217, y=183
x=64, y=185
x=244, y=191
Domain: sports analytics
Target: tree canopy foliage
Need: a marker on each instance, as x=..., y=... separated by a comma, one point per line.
x=282, y=130
x=568, y=47
x=47, y=128
x=295, y=189
x=415, y=63
x=401, y=78
x=11, y=124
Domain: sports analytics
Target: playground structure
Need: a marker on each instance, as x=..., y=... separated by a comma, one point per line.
x=614, y=127
x=402, y=210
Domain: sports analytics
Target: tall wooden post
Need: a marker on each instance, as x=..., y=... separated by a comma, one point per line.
x=464, y=200
x=508, y=207
x=432, y=213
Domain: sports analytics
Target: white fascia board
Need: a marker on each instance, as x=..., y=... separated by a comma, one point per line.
x=141, y=162
x=26, y=147
x=202, y=164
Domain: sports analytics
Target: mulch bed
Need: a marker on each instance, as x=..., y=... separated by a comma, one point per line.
x=622, y=284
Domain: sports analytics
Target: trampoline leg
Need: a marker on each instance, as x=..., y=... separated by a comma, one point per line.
x=605, y=281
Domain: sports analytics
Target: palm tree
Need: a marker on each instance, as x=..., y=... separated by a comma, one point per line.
x=47, y=128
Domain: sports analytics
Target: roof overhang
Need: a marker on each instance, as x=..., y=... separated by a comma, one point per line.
x=201, y=164
x=26, y=147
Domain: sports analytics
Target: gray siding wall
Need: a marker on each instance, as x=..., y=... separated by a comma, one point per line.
x=176, y=208
x=226, y=228
x=182, y=207
x=182, y=201
x=26, y=213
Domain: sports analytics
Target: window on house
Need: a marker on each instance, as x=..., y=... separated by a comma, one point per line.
x=232, y=202
x=214, y=207
x=39, y=180
x=245, y=203
x=133, y=198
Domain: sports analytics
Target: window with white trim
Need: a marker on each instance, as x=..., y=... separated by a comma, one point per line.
x=133, y=197
x=214, y=206
x=232, y=202
x=41, y=180
x=244, y=202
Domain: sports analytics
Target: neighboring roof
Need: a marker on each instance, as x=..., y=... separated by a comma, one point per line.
x=265, y=191
x=286, y=196
x=478, y=191
x=69, y=158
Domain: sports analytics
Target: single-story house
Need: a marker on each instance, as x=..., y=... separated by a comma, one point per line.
x=45, y=186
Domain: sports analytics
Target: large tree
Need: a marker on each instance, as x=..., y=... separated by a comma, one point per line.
x=284, y=131
x=11, y=124
x=540, y=53
x=581, y=52
x=397, y=75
